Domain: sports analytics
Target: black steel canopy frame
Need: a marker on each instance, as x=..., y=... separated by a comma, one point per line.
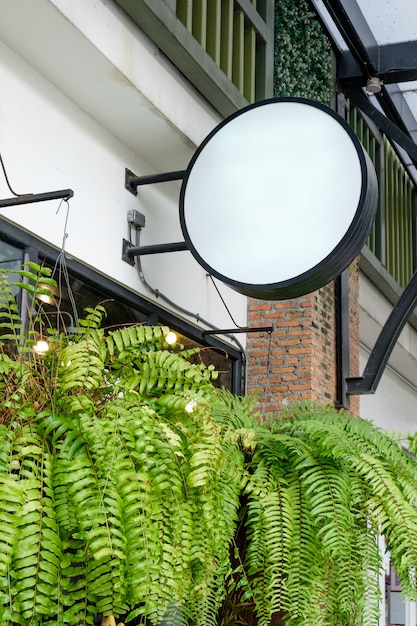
x=391, y=63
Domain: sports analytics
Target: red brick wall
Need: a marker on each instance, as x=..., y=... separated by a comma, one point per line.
x=298, y=360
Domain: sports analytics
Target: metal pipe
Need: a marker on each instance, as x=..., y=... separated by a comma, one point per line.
x=132, y=181
x=378, y=359
x=156, y=249
x=239, y=329
x=37, y=197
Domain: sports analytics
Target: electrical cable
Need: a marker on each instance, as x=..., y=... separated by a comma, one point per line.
x=7, y=180
x=224, y=303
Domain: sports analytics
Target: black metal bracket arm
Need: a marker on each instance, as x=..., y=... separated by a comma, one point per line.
x=385, y=343
x=239, y=329
x=378, y=359
x=129, y=252
x=132, y=182
x=63, y=194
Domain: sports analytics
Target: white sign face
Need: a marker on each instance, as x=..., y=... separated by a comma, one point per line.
x=279, y=199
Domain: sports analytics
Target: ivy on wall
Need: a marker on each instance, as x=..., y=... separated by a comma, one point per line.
x=302, y=61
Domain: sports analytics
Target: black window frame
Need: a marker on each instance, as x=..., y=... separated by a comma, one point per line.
x=38, y=251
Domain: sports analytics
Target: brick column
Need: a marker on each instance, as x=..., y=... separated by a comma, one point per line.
x=298, y=361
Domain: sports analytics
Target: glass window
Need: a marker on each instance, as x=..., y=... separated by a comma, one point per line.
x=10, y=256
x=72, y=302
x=80, y=287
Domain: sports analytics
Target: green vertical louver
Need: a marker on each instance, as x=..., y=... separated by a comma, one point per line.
x=393, y=237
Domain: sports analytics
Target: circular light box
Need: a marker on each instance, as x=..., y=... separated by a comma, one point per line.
x=279, y=199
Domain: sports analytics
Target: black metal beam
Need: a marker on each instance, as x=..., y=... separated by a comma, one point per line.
x=129, y=251
x=341, y=287
x=132, y=181
x=37, y=197
x=378, y=359
x=239, y=329
x=396, y=63
x=355, y=30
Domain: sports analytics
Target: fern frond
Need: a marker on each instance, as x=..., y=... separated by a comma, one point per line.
x=37, y=555
x=82, y=364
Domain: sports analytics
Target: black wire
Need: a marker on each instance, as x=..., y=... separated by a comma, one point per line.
x=7, y=180
x=224, y=303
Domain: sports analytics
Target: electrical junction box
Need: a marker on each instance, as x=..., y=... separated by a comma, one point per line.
x=136, y=218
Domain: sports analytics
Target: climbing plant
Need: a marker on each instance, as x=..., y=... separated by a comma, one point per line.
x=302, y=59
x=127, y=477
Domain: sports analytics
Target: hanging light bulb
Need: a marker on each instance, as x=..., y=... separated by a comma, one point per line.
x=41, y=347
x=171, y=338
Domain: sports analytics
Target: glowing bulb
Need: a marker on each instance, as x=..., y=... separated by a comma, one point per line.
x=190, y=406
x=45, y=298
x=41, y=347
x=171, y=338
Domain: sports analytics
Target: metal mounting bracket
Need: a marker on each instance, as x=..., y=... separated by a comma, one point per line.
x=129, y=252
x=385, y=343
x=239, y=329
x=378, y=359
x=64, y=194
x=132, y=182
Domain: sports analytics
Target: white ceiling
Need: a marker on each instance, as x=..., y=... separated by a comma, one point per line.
x=391, y=21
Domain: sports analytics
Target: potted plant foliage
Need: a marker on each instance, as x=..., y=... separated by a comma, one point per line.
x=127, y=481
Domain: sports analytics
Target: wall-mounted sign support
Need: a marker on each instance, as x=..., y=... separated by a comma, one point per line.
x=400, y=314
x=132, y=182
x=239, y=329
x=62, y=194
x=250, y=220
x=378, y=359
x=276, y=202
x=129, y=252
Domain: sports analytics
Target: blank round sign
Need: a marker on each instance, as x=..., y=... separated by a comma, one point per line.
x=278, y=199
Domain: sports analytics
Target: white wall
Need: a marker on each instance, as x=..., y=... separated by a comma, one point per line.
x=84, y=95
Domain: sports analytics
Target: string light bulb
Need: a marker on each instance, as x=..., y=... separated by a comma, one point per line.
x=171, y=338
x=41, y=347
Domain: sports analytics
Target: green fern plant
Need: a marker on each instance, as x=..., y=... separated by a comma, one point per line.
x=127, y=482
